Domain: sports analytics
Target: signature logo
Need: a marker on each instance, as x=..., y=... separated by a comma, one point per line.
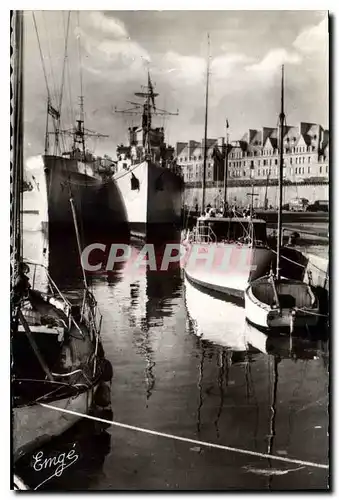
x=56, y=463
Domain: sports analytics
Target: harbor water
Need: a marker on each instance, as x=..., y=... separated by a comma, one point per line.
x=186, y=364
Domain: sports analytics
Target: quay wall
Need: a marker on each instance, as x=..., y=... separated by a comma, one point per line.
x=239, y=195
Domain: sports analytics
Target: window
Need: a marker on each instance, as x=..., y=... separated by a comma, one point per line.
x=275, y=162
x=320, y=169
x=194, y=158
x=308, y=170
x=302, y=170
x=265, y=162
x=244, y=173
x=258, y=163
x=185, y=158
x=270, y=162
x=291, y=160
x=296, y=170
x=326, y=169
x=259, y=173
x=303, y=159
x=309, y=159
x=199, y=157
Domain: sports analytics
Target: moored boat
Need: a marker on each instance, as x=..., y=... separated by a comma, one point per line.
x=57, y=359
x=282, y=304
x=68, y=169
x=224, y=254
x=272, y=301
x=147, y=176
x=56, y=353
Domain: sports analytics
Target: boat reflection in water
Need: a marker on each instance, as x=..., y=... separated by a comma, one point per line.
x=251, y=368
x=223, y=322
x=220, y=321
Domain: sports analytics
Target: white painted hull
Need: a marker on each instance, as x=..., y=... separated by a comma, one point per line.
x=156, y=201
x=230, y=267
x=36, y=424
x=268, y=317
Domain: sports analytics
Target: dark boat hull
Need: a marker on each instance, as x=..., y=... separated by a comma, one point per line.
x=98, y=204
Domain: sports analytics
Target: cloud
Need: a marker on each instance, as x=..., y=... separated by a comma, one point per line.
x=274, y=59
x=34, y=163
x=188, y=69
x=120, y=55
x=108, y=25
x=224, y=65
x=313, y=39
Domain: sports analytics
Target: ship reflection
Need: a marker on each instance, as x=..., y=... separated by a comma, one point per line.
x=151, y=303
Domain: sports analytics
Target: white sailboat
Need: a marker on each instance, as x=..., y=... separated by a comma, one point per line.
x=272, y=301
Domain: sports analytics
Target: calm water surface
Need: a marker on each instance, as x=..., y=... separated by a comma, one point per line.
x=186, y=363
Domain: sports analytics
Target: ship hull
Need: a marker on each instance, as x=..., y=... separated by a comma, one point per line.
x=229, y=268
x=153, y=199
x=98, y=204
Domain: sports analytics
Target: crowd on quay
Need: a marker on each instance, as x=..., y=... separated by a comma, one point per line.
x=230, y=211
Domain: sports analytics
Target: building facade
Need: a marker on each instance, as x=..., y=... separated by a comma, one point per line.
x=256, y=157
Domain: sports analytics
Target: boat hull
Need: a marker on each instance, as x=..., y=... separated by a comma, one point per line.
x=36, y=424
x=98, y=203
x=230, y=269
x=154, y=204
x=267, y=317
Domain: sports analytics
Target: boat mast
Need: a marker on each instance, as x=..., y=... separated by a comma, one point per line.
x=79, y=135
x=226, y=168
x=281, y=145
x=17, y=150
x=205, y=136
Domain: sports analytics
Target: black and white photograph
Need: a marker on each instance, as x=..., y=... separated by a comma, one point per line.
x=170, y=250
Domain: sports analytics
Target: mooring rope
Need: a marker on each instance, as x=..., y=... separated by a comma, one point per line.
x=189, y=440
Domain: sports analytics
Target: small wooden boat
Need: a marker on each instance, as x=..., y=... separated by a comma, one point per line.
x=57, y=359
x=284, y=303
x=272, y=301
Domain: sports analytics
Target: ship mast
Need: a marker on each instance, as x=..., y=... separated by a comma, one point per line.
x=146, y=110
x=281, y=145
x=205, y=136
x=226, y=167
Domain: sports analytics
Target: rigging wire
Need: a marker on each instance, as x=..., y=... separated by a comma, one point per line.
x=54, y=85
x=71, y=114
x=41, y=56
x=64, y=63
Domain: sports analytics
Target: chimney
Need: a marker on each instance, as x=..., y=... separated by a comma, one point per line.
x=251, y=134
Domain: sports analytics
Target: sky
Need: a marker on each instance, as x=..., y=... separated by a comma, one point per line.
x=117, y=48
